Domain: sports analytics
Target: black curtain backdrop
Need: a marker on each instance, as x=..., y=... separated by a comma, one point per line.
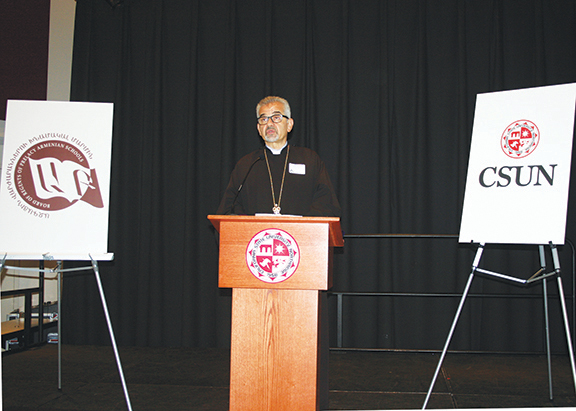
x=384, y=91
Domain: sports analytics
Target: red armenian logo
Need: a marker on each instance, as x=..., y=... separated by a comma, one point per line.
x=53, y=175
x=272, y=255
x=520, y=139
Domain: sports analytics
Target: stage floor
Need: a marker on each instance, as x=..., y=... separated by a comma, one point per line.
x=197, y=379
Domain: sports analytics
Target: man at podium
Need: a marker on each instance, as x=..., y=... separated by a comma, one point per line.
x=279, y=178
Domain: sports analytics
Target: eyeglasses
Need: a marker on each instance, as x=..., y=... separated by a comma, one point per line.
x=276, y=118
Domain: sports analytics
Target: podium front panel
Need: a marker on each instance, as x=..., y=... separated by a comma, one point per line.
x=275, y=353
x=310, y=247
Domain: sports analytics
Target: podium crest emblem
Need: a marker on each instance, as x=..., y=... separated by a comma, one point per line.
x=272, y=255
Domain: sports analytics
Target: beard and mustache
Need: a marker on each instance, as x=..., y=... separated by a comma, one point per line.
x=272, y=137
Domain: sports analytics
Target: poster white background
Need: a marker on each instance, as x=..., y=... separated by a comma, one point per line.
x=511, y=213
x=80, y=228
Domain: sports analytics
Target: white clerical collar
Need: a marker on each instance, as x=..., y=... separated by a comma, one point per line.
x=276, y=152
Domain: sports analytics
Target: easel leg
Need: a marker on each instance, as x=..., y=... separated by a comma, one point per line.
x=112, y=338
x=59, y=286
x=456, y=317
x=546, y=321
x=564, y=312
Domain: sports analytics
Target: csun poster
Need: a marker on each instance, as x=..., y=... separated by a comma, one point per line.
x=519, y=168
x=54, y=188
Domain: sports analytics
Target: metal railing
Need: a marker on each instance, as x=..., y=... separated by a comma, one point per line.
x=341, y=294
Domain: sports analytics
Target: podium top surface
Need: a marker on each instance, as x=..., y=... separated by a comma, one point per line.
x=334, y=223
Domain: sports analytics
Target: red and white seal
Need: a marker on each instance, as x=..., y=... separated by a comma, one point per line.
x=272, y=255
x=520, y=139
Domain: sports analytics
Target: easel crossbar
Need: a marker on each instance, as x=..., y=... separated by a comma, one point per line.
x=530, y=280
x=48, y=270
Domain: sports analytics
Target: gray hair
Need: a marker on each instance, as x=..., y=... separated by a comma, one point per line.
x=274, y=99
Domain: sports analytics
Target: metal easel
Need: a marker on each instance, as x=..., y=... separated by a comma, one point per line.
x=540, y=275
x=59, y=271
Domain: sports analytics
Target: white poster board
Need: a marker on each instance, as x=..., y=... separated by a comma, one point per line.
x=519, y=169
x=55, y=181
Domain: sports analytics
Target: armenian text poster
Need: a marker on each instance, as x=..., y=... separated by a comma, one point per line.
x=54, y=188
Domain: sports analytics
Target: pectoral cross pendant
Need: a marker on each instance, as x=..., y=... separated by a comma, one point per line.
x=276, y=209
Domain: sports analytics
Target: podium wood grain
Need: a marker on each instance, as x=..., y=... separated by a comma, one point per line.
x=274, y=362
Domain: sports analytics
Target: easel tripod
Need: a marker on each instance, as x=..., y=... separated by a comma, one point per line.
x=541, y=275
x=59, y=271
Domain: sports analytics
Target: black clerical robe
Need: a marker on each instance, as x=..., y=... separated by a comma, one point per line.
x=307, y=189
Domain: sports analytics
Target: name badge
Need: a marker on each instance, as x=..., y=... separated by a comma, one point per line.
x=297, y=169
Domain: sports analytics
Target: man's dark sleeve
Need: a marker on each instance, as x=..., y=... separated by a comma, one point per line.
x=227, y=205
x=325, y=203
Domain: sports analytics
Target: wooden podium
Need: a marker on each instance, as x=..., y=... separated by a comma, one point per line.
x=278, y=358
